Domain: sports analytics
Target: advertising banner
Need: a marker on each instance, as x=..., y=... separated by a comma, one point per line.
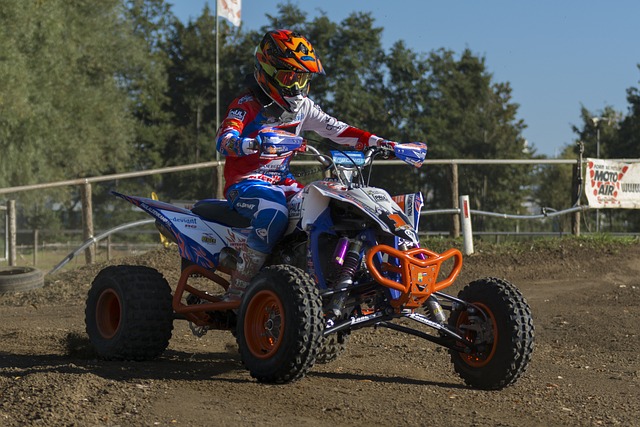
x=612, y=184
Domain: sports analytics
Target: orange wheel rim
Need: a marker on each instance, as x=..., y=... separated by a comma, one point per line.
x=108, y=313
x=264, y=324
x=475, y=359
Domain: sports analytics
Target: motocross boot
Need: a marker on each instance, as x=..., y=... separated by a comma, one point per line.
x=250, y=263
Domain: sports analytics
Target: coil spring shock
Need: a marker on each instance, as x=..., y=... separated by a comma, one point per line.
x=345, y=277
x=350, y=265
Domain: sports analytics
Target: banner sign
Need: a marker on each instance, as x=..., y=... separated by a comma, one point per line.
x=613, y=184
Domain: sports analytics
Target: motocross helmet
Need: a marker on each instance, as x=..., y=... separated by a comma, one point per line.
x=285, y=63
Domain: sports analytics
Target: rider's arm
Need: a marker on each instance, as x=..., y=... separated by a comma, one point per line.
x=339, y=132
x=229, y=139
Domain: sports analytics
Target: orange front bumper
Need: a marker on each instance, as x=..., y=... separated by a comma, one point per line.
x=418, y=269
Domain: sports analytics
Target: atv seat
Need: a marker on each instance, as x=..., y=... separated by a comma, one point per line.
x=218, y=210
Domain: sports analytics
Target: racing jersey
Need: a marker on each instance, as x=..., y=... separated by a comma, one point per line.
x=247, y=116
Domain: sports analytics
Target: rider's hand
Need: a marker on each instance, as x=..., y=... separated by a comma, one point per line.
x=388, y=148
x=385, y=143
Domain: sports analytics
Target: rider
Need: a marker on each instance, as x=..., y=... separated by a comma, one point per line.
x=276, y=98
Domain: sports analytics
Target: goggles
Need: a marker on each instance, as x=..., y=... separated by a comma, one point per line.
x=290, y=79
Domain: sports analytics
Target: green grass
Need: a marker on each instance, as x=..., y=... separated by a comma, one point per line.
x=50, y=257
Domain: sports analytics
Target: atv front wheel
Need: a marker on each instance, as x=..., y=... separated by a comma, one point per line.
x=280, y=325
x=500, y=325
x=128, y=314
x=332, y=347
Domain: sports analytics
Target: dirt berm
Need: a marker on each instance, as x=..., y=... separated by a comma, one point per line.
x=585, y=368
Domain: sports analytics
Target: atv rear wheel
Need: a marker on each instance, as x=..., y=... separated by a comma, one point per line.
x=502, y=330
x=280, y=325
x=128, y=314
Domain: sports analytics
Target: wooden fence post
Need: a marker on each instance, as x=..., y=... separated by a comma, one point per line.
x=87, y=221
x=35, y=248
x=576, y=190
x=455, y=218
x=13, y=232
x=219, y=181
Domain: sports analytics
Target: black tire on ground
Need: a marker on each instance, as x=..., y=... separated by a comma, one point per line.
x=19, y=279
x=280, y=325
x=128, y=314
x=509, y=334
x=332, y=347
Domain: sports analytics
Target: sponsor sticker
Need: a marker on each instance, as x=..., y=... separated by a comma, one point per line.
x=237, y=113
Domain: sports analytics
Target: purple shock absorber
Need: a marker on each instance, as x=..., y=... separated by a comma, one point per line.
x=340, y=250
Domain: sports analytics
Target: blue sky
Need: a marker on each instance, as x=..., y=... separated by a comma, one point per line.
x=557, y=55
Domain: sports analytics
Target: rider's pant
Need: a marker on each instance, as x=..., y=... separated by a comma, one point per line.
x=266, y=205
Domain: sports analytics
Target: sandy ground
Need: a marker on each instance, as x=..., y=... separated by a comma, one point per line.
x=585, y=368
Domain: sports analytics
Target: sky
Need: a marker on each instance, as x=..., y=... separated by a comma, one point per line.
x=557, y=55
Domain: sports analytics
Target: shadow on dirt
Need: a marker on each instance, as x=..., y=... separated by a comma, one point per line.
x=81, y=358
x=382, y=379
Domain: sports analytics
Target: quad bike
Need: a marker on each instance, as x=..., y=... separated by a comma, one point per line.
x=349, y=259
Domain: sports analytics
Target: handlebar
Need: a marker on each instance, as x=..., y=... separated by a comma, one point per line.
x=326, y=161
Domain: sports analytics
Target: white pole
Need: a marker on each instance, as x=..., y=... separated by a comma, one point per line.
x=598, y=156
x=465, y=225
x=219, y=171
x=217, y=80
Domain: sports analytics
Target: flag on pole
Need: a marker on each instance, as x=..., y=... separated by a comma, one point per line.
x=230, y=9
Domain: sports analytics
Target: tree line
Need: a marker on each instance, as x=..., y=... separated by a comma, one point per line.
x=94, y=88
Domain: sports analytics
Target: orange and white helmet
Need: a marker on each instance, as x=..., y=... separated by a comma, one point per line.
x=285, y=64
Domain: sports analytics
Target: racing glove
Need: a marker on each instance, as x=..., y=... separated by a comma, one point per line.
x=388, y=148
x=385, y=143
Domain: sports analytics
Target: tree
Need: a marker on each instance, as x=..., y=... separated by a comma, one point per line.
x=554, y=188
x=598, y=130
x=469, y=116
x=146, y=80
x=72, y=107
x=192, y=90
x=68, y=114
x=627, y=143
x=355, y=70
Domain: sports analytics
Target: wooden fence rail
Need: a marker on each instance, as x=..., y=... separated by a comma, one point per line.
x=86, y=190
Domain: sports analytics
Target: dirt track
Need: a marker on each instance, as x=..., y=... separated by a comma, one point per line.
x=585, y=368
